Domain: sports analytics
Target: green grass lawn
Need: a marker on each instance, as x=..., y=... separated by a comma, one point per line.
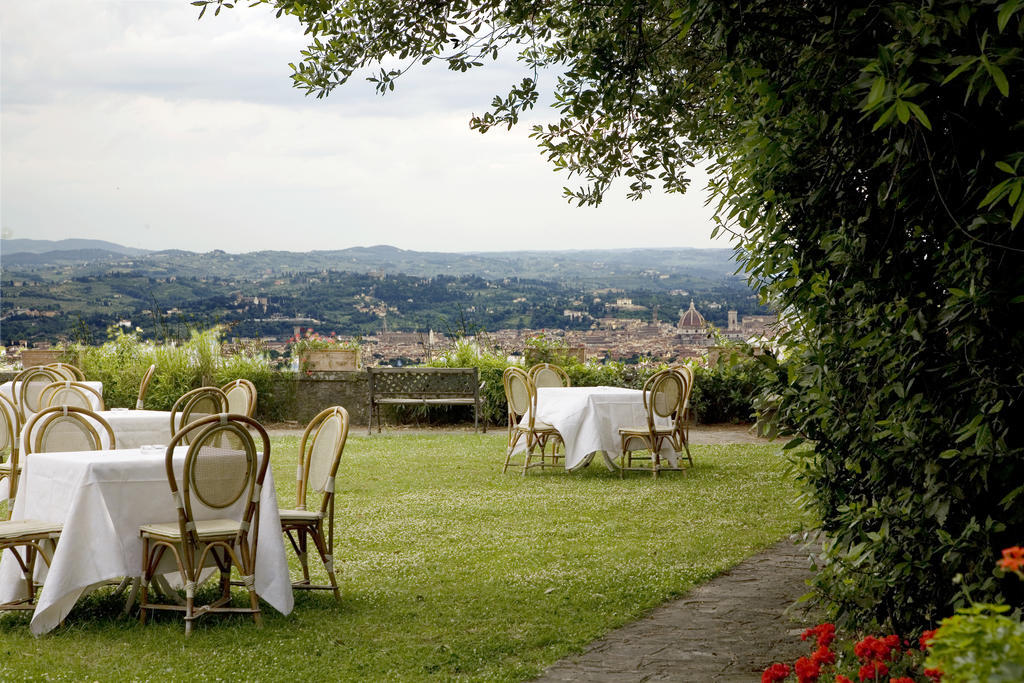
x=450, y=569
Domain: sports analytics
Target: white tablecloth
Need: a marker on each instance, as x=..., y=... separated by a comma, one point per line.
x=136, y=428
x=7, y=389
x=132, y=428
x=588, y=418
x=102, y=498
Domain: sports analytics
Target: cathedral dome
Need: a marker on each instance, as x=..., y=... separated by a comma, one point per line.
x=691, y=319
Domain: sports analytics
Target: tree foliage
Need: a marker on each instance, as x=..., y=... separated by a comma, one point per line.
x=867, y=157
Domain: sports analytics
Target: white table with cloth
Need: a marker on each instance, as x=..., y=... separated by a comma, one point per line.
x=102, y=498
x=132, y=428
x=8, y=390
x=137, y=428
x=589, y=418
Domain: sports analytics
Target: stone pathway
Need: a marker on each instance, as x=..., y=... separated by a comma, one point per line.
x=729, y=629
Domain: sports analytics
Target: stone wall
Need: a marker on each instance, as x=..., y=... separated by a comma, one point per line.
x=300, y=398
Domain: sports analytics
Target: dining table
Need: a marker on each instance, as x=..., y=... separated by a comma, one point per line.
x=102, y=498
x=137, y=428
x=588, y=420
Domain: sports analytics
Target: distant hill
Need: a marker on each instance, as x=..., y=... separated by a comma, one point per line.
x=64, y=256
x=658, y=269
x=79, y=293
x=9, y=247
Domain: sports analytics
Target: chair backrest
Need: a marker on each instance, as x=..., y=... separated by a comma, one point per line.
x=144, y=387
x=520, y=394
x=67, y=371
x=66, y=428
x=241, y=395
x=195, y=405
x=70, y=393
x=10, y=428
x=687, y=374
x=28, y=385
x=223, y=467
x=663, y=396
x=548, y=375
x=319, y=454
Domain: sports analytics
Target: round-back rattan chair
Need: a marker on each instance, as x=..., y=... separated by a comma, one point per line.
x=319, y=454
x=548, y=375
x=66, y=428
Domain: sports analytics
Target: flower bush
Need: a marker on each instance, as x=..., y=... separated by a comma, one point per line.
x=299, y=346
x=983, y=642
x=979, y=643
x=872, y=659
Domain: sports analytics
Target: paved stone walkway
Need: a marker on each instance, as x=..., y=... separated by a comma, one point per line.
x=729, y=629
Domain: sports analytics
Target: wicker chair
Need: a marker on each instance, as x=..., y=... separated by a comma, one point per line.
x=66, y=428
x=144, y=387
x=548, y=375
x=10, y=429
x=224, y=468
x=26, y=539
x=241, y=395
x=521, y=396
x=319, y=454
x=197, y=404
x=681, y=440
x=71, y=393
x=67, y=371
x=663, y=395
x=28, y=385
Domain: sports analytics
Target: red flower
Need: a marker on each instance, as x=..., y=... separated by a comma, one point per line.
x=823, y=655
x=826, y=633
x=902, y=679
x=871, y=672
x=872, y=649
x=775, y=673
x=840, y=678
x=1013, y=559
x=933, y=675
x=926, y=639
x=807, y=671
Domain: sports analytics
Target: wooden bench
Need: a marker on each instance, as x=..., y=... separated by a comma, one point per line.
x=424, y=386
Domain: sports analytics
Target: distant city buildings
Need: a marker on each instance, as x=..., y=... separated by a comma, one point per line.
x=609, y=337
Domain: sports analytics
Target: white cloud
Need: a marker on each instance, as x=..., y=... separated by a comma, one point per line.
x=134, y=123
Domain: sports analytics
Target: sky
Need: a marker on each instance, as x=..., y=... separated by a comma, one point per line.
x=132, y=121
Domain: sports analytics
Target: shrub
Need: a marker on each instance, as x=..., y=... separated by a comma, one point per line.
x=121, y=362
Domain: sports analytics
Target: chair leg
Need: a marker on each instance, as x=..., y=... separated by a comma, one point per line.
x=30, y=571
x=189, y=609
x=304, y=554
x=144, y=582
x=321, y=546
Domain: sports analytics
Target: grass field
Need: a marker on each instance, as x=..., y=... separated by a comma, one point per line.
x=450, y=569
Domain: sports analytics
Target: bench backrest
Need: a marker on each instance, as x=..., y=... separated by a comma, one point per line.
x=423, y=382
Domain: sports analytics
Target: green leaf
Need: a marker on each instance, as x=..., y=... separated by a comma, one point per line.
x=1005, y=12
x=994, y=194
x=1018, y=213
x=920, y=115
x=998, y=77
x=1003, y=166
x=902, y=111
x=877, y=90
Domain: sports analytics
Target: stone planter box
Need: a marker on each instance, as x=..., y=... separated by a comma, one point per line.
x=33, y=357
x=338, y=360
